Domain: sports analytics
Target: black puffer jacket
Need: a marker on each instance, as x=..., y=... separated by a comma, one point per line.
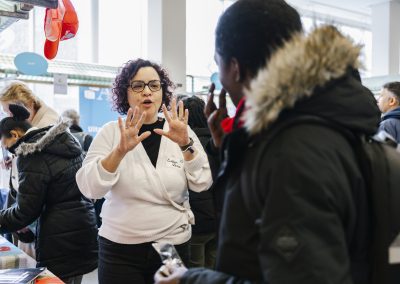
x=313, y=226
x=48, y=160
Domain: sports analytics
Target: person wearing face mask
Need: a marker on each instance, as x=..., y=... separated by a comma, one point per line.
x=143, y=167
x=47, y=161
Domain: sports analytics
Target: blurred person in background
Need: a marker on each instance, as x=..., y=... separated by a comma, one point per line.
x=203, y=244
x=389, y=105
x=85, y=139
x=40, y=114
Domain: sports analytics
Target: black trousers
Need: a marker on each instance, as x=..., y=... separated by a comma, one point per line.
x=120, y=263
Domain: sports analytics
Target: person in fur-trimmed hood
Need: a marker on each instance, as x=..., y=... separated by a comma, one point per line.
x=47, y=160
x=313, y=225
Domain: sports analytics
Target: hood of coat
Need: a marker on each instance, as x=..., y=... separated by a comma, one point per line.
x=54, y=140
x=316, y=75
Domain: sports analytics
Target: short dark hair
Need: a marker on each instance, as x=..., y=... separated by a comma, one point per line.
x=393, y=87
x=122, y=82
x=251, y=30
x=180, y=97
x=195, y=105
x=16, y=122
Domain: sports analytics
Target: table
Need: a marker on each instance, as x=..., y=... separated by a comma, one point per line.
x=13, y=257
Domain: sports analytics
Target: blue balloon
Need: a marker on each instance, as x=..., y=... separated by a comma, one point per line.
x=30, y=63
x=215, y=79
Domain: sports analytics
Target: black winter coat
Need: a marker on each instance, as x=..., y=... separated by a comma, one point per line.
x=202, y=203
x=48, y=160
x=391, y=123
x=314, y=225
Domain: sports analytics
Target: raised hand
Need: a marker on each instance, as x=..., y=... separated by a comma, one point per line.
x=130, y=131
x=216, y=115
x=177, y=121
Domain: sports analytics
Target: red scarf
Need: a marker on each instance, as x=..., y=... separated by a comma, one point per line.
x=227, y=123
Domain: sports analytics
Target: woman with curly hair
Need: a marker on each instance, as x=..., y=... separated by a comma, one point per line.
x=143, y=166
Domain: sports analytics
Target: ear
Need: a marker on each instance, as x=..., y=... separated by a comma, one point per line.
x=235, y=68
x=393, y=101
x=14, y=134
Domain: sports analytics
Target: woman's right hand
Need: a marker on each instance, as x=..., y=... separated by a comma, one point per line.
x=130, y=131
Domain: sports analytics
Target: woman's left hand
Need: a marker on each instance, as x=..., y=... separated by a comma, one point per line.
x=177, y=121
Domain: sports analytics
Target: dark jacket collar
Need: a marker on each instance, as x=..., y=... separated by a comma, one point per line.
x=395, y=113
x=28, y=136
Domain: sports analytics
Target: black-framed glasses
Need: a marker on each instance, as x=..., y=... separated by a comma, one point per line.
x=138, y=86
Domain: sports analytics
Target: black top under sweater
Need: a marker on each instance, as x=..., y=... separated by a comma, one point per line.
x=152, y=143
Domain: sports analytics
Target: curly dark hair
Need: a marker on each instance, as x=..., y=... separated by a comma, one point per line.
x=128, y=71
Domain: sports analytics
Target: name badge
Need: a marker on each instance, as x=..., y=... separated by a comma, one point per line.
x=175, y=163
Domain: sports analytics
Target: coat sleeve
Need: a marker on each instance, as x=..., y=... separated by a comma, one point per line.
x=92, y=179
x=34, y=177
x=198, y=172
x=202, y=275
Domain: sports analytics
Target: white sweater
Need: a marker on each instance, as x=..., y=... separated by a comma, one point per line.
x=143, y=203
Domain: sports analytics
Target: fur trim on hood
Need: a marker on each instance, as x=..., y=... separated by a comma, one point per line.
x=27, y=148
x=295, y=70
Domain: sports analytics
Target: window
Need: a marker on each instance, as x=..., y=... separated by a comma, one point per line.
x=201, y=21
x=358, y=35
x=123, y=28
